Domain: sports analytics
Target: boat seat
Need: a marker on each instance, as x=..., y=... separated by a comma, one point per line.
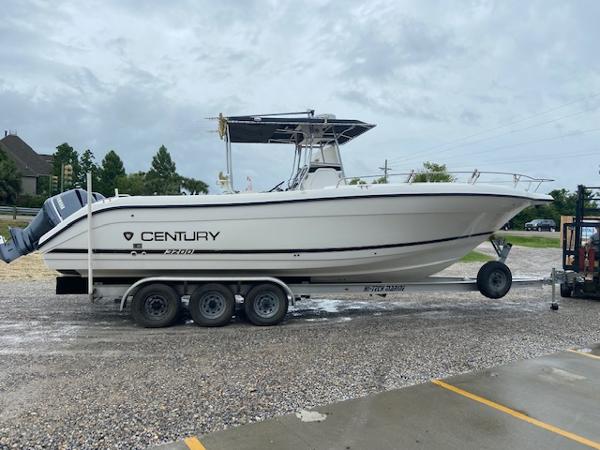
x=320, y=178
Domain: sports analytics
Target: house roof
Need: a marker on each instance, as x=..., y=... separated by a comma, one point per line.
x=28, y=162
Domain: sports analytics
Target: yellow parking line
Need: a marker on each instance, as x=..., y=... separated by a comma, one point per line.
x=589, y=355
x=193, y=443
x=519, y=415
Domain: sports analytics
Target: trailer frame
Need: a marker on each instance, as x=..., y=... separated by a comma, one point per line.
x=294, y=291
x=124, y=292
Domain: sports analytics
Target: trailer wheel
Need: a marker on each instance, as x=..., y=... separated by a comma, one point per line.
x=155, y=306
x=565, y=290
x=494, y=279
x=212, y=305
x=266, y=304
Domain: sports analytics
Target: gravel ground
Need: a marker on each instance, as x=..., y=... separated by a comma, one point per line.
x=76, y=375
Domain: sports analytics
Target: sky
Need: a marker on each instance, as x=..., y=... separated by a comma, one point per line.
x=490, y=85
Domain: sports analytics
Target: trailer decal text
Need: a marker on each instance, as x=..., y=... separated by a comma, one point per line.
x=385, y=288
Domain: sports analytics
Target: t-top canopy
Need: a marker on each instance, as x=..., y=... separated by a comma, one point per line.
x=291, y=130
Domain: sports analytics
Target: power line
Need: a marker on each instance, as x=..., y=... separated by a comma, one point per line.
x=534, y=141
x=547, y=157
x=513, y=122
x=500, y=135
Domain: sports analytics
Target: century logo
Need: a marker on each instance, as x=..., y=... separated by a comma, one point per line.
x=179, y=236
x=175, y=236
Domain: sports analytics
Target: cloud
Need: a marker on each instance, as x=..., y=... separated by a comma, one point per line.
x=387, y=45
x=131, y=76
x=390, y=103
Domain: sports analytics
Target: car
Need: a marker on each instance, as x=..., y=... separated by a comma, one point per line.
x=541, y=225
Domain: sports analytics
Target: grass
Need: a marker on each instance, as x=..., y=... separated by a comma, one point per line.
x=475, y=256
x=4, y=224
x=29, y=267
x=532, y=241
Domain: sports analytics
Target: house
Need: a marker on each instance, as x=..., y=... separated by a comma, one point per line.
x=31, y=165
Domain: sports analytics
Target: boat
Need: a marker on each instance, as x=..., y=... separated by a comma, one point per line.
x=319, y=225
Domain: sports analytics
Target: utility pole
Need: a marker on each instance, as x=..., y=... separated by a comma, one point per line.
x=62, y=177
x=385, y=169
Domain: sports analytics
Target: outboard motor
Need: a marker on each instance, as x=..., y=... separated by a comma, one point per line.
x=54, y=211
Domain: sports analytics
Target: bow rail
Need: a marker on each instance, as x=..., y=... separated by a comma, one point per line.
x=531, y=184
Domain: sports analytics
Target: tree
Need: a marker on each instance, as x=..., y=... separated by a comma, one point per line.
x=356, y=180
x=43, y=186
x=111, y=170
x=133, y=184
x=193, y=186
x=433, y=173
x=565, y=202
x=65, y=155
x=10, y=180
x=162, y=178
x=563, y=205
x=87, y=164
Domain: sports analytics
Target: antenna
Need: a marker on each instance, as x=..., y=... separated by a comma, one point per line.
x=308, y=112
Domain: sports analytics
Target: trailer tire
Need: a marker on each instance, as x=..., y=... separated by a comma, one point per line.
x=494, y=279
x=212, y=305
x=266, y=304
x=155, y=306
x=566, y=290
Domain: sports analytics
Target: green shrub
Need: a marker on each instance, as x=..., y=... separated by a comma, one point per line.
x=31, y=201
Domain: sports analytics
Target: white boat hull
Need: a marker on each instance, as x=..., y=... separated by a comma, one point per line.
x=381, y=233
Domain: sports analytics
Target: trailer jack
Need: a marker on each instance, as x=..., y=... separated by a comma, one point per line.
x=501, y=247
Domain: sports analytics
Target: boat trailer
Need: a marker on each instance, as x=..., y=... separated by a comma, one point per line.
x=212, y=300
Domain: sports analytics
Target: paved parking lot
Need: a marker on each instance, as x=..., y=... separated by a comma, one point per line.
x=76, y=375
x=547, y=402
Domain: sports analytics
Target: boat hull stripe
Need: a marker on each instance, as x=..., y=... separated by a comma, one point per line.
x=263, y=251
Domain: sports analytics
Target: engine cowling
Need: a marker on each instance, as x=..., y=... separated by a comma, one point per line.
x=54, y=211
